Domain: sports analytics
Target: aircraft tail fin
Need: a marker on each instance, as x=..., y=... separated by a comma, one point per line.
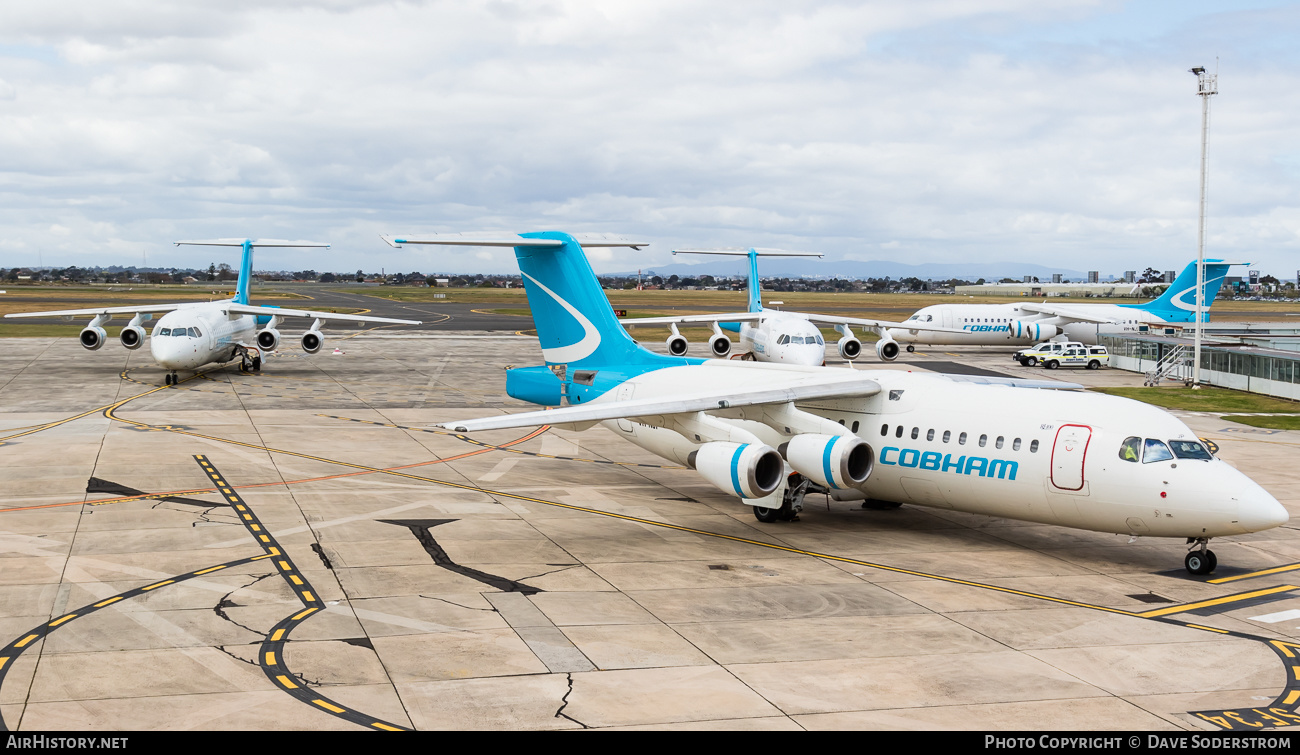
x=1178, y=302
x=755, y=287
x=575, y=323
x=246, y=261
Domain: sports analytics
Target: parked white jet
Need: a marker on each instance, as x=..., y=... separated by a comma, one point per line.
x=767, y=433
x=773, y=335
x=192, y=334
x=1032, y=322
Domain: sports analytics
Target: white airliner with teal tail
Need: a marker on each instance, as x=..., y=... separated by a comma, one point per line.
x=190, y=335
x=766, y=434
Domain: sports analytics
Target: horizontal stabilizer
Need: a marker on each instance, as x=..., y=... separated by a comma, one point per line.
x=512, y=240
x=255, y=243
x=823, y=387
x=742, y=252
x=248, y=309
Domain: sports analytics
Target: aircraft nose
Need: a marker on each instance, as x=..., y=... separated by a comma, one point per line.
x=1258, y=510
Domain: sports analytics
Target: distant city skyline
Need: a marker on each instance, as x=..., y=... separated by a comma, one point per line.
x=918, y=131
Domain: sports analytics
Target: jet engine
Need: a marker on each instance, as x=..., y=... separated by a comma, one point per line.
x=93, y=338
x=268, y=339
x=1035, y=331
x=311, y=341
x=833, y=461
x=677, y=345
x=887, y=349
x=850, y=348
x=720, y=345
x=747, y=470
x=132, y=337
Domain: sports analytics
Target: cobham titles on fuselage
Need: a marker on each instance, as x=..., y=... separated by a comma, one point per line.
x=766, y=434
x=190, y=335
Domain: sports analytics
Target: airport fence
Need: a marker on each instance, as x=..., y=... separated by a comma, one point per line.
x=1241, y=369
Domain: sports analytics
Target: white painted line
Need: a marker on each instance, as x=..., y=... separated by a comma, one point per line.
x=1273, y=618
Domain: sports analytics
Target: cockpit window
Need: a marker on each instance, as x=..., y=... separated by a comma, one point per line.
x=929, y=318
x=194, y=333
x=914, y=317
x=178, y=332
x=1190, y=449
x=164, y=331
x=820, y=342
x=1130, y=449
x=783, y=339
x=1155, y=451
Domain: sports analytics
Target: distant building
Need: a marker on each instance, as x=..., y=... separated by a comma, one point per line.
x=1049, y=289
x=1169, y=276
x=1130, y=276
x=1094, y=276
x=1056, y=277
x=1029, y=279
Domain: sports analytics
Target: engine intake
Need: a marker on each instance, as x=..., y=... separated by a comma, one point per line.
x=720, y=345
x=93, y=338
x=833, y=461
x=132, y=337
x=887, y=349
x=677, y=345
x=1035, y=331
x=268, y=339
x=747, y=470
x=850, y=348
x=312, y=341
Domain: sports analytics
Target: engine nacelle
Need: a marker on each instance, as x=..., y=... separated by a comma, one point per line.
x=268, y=339
x=747, y=470
x=677, y=345
x=312, y=341
x=93, y=338
x=833, y=461
x=720, y=345
x=887, y=349
x=1035, y=331
x=850, y=348
x=132, y=337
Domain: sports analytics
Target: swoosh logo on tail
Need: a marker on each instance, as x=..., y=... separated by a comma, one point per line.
x=590, y=334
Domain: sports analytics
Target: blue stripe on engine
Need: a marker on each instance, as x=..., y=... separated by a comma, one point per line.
x=826, y=462
x=735, y=469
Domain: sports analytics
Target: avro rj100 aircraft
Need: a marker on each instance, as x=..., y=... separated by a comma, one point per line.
x=1002, y=324
x=768, y=433
x=193, y=334
x=779, y=336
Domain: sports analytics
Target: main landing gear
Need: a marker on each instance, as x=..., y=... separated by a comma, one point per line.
x=1200, y=560
x=250, y=361
x=791, y=502
x=911, y=349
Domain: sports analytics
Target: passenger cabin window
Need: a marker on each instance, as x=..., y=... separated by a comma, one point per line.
x=984, y=441
x=916, y=433
x=899, y=432
x=1033, y=447
x=855, y=426
x=929, y=434
x=1155, y=451
x=947, y=435
x=884, y=430
x=1015, y=445
x=961, y=439
x=998, y=443
x=1189, y=449
x=1130, y=449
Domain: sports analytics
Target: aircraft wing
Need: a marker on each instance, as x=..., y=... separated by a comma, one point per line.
x=684, y=319
x=1063, y=312
x=71, y=313
x=878, y=324
x=249, y=309
x=1050, y=385
x=803, y=388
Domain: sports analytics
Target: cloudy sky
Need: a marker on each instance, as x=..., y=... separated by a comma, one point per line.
x=916, y=130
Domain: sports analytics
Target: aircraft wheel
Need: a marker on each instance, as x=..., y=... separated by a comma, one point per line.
x=167, y=379
x=1094, y=364
x=1052, y=364
x=257, y=364
x=1030, y=362
x=910, y=348
x=766, y=516
x=1200, y=562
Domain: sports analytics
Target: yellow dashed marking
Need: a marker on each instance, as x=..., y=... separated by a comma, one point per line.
x=241, y=508
x=270, y=658
x=255, y=527
x=248, y=516
x=275, y=552
x=1291, y=697
x=328, y=707
x=385, y=727
x=264, y=539
x=233, y=498
x=278, y=634
x=294, y=579
x=103, y=603
x=214, y=568
x=284, y=565
x=284, y=680
x=25, y=640
x=3, y=661
x=160, y=584
x=57, y=622
x=307, y=596
x=295, y=618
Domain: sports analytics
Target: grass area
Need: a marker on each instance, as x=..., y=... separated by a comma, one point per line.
x=1272, y=423
x=100, y=292
x=1205, y=400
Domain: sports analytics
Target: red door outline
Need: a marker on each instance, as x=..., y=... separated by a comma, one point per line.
x=1083, y=460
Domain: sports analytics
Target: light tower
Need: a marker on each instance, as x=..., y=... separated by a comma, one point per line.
x=1206, y=84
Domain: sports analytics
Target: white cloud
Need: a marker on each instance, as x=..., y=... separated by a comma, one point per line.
x=942, y=128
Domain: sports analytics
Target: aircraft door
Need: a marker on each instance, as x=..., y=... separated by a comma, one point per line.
x=1069, y=452
x=625, y=392
x=947, y=318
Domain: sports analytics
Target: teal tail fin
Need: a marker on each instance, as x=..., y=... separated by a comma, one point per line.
x=1178, y=302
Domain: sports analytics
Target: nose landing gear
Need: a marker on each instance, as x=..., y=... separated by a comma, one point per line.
x=171, y=379
x=1202, y=560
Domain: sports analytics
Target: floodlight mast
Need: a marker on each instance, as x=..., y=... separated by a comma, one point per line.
x=1207, y=84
